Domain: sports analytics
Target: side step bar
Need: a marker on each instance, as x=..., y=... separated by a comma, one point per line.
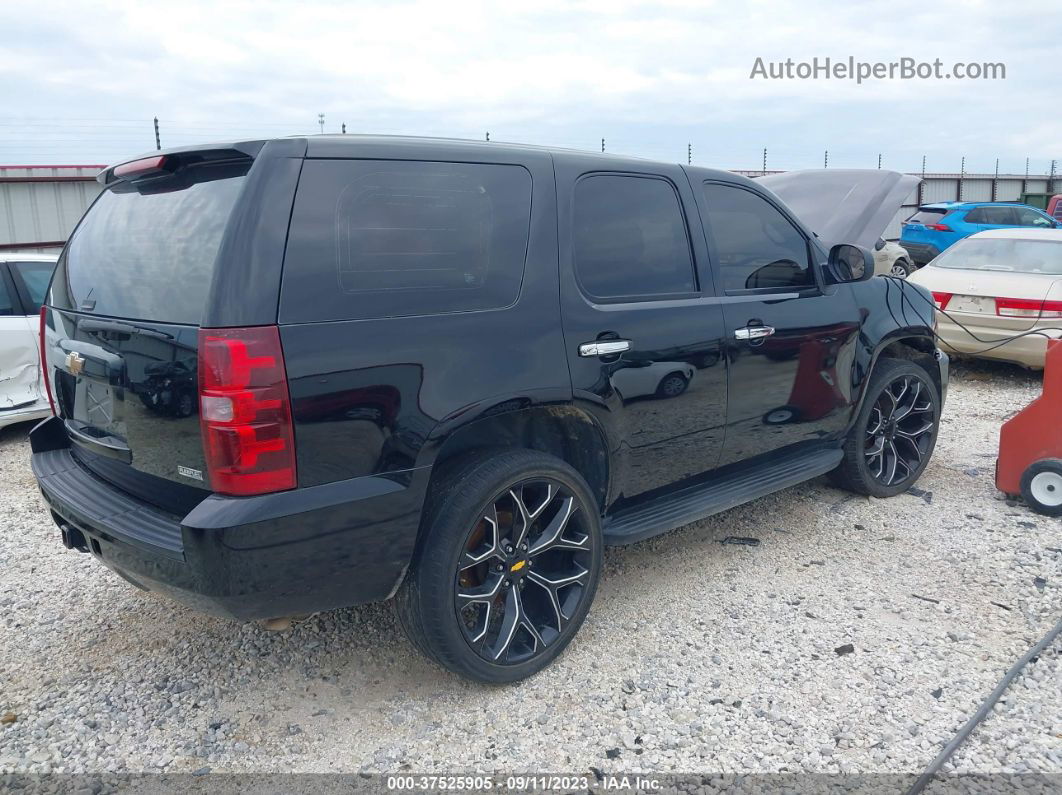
x=696, y=502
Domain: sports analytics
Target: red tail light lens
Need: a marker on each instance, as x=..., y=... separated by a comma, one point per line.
x=941, y=299
x=939, y=227
x=44, y=361
x=245, y=411
x=1022, y=307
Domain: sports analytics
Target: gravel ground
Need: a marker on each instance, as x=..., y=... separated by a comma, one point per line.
x=858, y=636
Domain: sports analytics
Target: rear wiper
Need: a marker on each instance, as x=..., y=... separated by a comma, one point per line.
x=124, y=328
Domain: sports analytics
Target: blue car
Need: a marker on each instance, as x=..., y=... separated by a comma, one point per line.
x=936, y=226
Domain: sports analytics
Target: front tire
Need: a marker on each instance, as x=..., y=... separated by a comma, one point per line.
x=507, y=568
x=895, y=432
x=901, y=269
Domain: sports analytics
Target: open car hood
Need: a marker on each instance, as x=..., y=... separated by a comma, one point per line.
x=843, y=205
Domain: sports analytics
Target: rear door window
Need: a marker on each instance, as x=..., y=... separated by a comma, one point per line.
x=372, y=239
x=147, y=251
x=991, y=216
x=629, y=238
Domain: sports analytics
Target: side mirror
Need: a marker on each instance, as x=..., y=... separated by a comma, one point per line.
x=850, y=263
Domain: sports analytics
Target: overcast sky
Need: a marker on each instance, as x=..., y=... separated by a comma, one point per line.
x=82, y=81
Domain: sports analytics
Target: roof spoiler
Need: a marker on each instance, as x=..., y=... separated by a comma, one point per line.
x=169, y=161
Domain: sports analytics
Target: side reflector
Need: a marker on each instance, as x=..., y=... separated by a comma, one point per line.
x=245, y=411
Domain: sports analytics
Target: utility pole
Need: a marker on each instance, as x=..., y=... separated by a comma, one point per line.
x=1051, y=179
x=962, y=175
x=344, y=128
x=995, y=181
x=922, y=183
x=488, y=135
x=689, y=154
x=826, y=159
x=765, y=161
x=602, y=144
x=320, y=120
x=879, y=161
x=158, y=140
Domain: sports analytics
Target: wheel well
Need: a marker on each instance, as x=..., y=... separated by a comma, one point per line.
x=920, y=350
x=561, y=431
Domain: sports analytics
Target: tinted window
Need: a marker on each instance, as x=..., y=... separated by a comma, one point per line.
x=7, y=304
x=629, y=238
x=994, y=216
x=756, y=247
x=924, y=216
x=1002, y=254
x=1027, y=217
x=34, y=277
x=147, y=251
x=382, y=239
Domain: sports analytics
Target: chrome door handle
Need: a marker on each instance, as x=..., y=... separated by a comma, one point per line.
x=604, y=347
x=753, y=332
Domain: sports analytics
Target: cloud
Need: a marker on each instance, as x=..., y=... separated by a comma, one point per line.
x=83, y=81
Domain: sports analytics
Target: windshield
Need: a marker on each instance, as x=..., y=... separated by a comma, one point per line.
x=1003, y=254
x=147, y=251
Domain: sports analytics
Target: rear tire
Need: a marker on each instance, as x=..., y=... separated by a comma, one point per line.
x=507, y=567
x=1041, y=486
x=895, y=432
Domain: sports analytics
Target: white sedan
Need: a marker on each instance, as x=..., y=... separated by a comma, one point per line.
x=23, y=281
x=999, y=284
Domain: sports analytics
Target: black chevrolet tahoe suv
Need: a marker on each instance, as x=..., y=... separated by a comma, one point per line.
x=294, y=375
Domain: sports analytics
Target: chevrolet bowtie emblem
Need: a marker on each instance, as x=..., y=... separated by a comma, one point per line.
x=75, y=362
x=518, y=565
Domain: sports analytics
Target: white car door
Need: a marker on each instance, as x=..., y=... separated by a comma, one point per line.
x=19, y=358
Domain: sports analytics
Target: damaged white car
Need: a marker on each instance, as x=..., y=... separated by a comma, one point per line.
x=23, y=281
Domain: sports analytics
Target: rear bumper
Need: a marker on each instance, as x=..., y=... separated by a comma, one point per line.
x=1028, y=351
x=301, y=551
x=921, y=253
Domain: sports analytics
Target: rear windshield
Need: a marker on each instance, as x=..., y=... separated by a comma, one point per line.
x=925, y=216
x=146, y=250
x=1002, y=254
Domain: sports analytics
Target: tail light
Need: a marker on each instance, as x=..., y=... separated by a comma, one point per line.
x=1022, y=307
x=245, y=411
x=139, y=167
x=44, y=361
x=941, y=299
x=939, y=227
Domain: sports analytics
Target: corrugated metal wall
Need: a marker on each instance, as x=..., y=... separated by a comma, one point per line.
x=40, y=205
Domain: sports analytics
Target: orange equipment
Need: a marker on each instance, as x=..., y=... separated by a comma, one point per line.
x=1030, y=444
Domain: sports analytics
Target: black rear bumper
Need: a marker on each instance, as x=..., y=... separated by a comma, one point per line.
x=921, y=253
x=280, y=554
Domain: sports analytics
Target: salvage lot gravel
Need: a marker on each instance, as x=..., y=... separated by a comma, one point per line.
x=857, y=636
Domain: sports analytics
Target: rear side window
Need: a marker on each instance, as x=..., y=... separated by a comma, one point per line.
x=34, y=277
x=372, y=239
x=756, y=247
x=629, y=238
x=924, y=216
x=998, y=216
x=1028, y=217
x=146, y=250
x=7, y=302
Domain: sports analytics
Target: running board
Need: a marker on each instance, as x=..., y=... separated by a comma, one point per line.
x=696, y=502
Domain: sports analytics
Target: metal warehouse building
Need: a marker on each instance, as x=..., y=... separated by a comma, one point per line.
x=39, y=205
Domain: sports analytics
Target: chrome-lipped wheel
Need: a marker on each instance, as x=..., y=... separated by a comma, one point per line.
x=899, y=433
x=523, y=571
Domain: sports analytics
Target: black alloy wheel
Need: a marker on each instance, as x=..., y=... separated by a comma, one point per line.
x=900, y=431
x=893, y=435
x=524, y=571
x=507, y=567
